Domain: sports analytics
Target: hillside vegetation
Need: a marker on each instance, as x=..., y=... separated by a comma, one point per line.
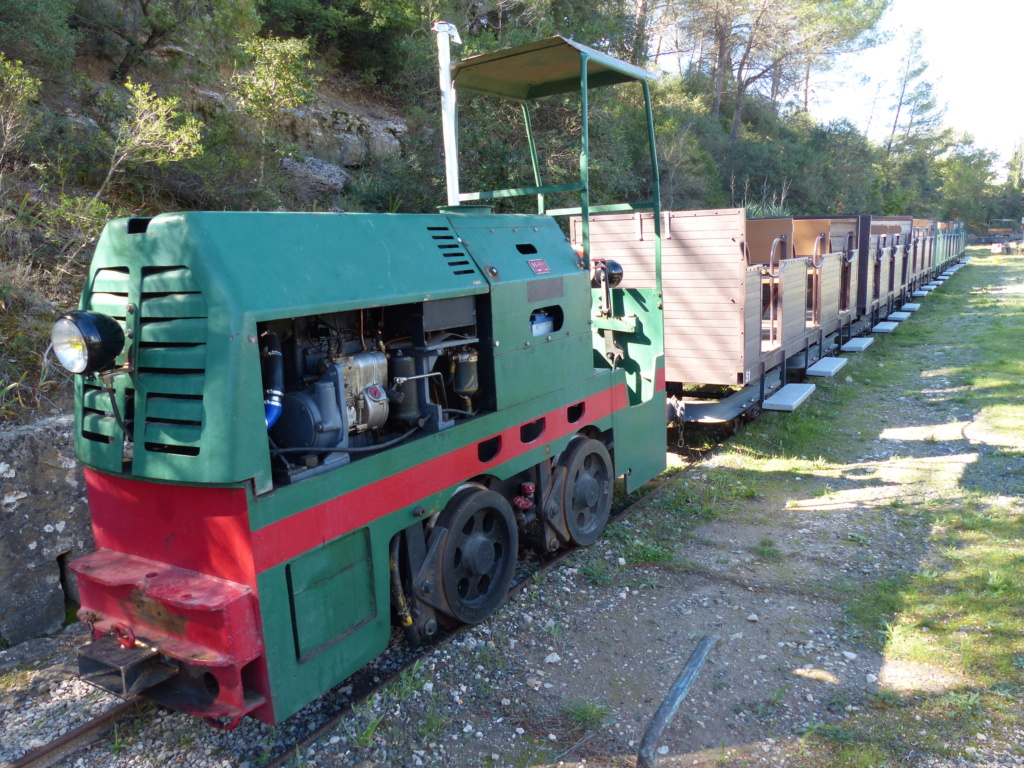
x=135, y=107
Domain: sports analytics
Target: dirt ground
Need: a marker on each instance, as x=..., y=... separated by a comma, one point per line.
x=571, y=672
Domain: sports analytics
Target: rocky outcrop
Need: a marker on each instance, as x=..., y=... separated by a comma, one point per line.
x=45, y=523
x=334, y=131
x=316, y=174
x=341, y=136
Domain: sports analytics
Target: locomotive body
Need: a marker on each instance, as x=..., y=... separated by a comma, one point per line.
x=423, y=359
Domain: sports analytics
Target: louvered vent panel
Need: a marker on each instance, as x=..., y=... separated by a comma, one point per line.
x=451, y=250
x=109, y=295
x=171, y=361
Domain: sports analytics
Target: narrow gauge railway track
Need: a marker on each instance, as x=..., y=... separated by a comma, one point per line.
x=363, y=684
x=80, y=737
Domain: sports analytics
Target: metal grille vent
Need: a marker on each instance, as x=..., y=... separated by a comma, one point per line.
x=455, y=257
x=171, y=360
x=109, y=295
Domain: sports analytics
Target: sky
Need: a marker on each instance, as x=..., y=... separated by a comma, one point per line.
x=975, y=52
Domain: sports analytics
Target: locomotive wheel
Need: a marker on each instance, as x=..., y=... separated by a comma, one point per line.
x=479, y=558
x=587, y=498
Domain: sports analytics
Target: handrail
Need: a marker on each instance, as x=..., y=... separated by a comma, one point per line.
x=610, y=208
x=818, y=251
x=848, y=248
x=771, y=259
x=521, y=192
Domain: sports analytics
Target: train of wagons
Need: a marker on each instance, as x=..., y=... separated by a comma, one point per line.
x=302, y=430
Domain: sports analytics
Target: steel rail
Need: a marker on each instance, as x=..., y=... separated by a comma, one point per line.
x=78, y=738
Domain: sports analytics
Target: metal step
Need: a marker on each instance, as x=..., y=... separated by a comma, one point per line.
x=123, y=671
x=827, y=366
x=885, y=327
x=898, y=317
x=910, y=306
x=789, y=398
x=858, y=344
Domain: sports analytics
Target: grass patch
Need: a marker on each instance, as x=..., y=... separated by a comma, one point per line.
x=584, y=715
x=873, y=608
x=641, y=553
x=597, y=573
x=767, y=550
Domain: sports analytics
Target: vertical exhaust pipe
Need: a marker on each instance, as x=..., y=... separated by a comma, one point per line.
x=446, y=34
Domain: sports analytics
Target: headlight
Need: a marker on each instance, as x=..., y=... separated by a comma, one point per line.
x=614, y=271
x=85, y=342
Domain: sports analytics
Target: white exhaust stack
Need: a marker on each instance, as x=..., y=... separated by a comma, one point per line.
x=446, y=34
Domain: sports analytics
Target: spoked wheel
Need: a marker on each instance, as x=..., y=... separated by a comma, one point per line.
x=587, y=498
x=479, y=557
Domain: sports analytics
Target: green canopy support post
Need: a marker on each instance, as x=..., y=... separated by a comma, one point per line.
x=533, y=154
x=655, y=187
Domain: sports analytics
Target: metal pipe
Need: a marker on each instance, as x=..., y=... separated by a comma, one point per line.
x=398, y=597
x=585, y=160
x=350, y=449
x=656, y=189
x=848, y=250
x=531, y=140
x=818, y=251
x=446, y=34
x=771, y=257
x=645, y=756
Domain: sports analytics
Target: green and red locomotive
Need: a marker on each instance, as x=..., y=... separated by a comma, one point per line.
x=299, y=429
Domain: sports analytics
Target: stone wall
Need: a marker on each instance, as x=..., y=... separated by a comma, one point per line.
x=44, y=522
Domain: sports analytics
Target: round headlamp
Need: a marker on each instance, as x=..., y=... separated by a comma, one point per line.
x=614, y=271
x=86, y=342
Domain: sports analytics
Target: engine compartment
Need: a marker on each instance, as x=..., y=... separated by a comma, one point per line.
x=342, y=385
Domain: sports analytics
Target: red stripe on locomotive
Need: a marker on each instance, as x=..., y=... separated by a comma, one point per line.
x=288, y=538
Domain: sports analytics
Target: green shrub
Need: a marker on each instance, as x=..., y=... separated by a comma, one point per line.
x=37, y=32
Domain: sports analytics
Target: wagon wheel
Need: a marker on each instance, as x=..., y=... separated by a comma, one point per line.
x=587, y=498
x=479, y=556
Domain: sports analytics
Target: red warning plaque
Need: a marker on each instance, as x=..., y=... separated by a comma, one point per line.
x=539, y=266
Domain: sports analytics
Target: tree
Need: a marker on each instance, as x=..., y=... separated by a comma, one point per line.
x=1013, y=188
x=18, y=90
x=967, y=175
x=831, y=30
x=911, y=179
x=37, y=32
x=916, y=112
x=359, y=34
x=280, y=77
x=152, y=131
x=145, y=25
x=775, y=45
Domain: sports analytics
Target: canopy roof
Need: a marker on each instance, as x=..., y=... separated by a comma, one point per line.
x=542, y=68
